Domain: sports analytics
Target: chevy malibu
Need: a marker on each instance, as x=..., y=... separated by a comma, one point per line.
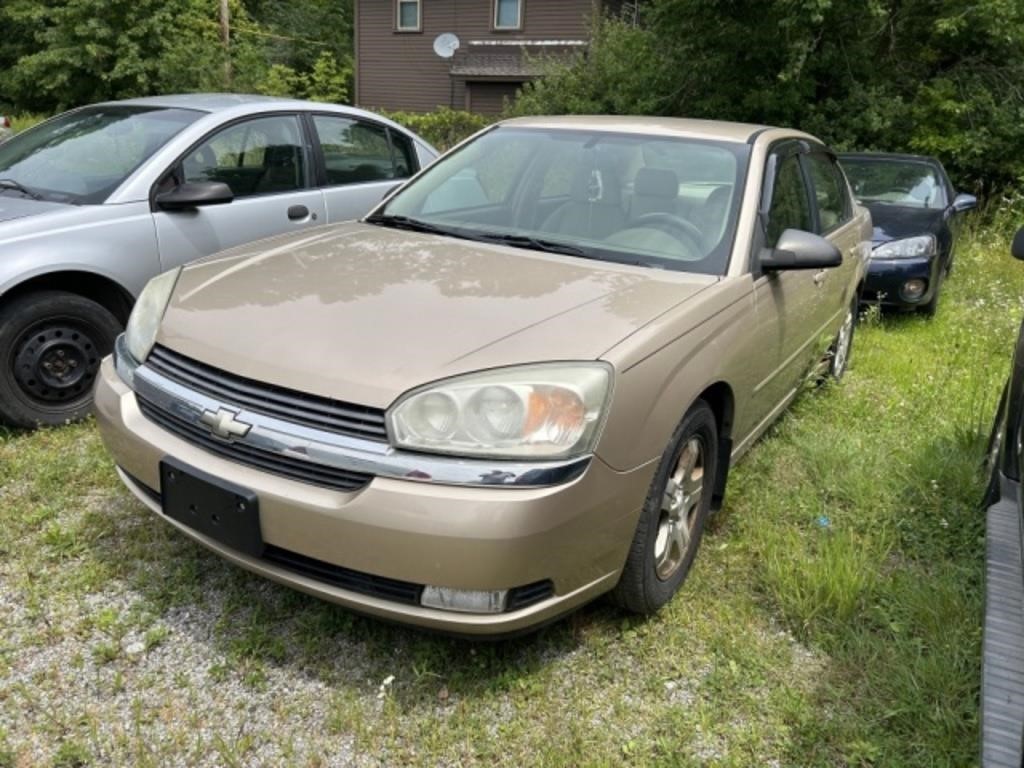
x=516, y=385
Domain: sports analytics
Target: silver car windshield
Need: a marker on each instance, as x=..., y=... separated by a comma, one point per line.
x=81, y=157
x=667, y=202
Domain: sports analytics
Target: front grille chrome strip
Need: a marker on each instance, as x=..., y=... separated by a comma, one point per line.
x=293, y=442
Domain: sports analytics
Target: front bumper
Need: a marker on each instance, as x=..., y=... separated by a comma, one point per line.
x=885, y=279
x=574, y=535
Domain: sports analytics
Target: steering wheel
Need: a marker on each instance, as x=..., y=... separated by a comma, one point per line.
x=676, y=226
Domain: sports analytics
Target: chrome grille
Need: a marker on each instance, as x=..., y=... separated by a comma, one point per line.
x=297, y=407
x=278, y=464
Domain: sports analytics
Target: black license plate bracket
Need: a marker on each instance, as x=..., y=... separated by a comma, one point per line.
x=221, y=510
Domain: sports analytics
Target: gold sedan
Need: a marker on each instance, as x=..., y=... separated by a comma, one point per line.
x=518, y=384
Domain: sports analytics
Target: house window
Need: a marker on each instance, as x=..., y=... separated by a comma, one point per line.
x=508, y=14
x=408, y=15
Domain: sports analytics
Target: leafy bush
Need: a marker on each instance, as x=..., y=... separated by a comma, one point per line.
x=327, y=81
x=21, y=122
x=443, y=128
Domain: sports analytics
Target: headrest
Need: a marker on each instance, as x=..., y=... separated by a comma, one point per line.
x=656, y=182
x=279, y=155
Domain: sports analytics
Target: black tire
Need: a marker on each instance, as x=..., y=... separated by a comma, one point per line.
x=839, y=358
x=641, y=587
x=929, y=309
x=51, y=345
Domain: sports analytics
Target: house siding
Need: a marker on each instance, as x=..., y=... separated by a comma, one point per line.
x=400, y=71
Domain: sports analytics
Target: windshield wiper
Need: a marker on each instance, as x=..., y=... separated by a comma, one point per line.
x=19, y=187
x=534, y=243
x=414, y=225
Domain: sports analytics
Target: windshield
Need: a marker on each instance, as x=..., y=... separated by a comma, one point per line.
x=666, y=202
x=81, y=157
x=908, y=183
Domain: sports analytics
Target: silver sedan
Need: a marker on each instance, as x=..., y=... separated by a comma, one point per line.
x=96, y=201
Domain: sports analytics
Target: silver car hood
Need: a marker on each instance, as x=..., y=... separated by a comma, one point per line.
x=14, y=207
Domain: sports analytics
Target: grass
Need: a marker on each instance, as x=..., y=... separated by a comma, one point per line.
x=833, y=616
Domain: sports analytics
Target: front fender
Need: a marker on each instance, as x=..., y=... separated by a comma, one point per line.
x=114, y=242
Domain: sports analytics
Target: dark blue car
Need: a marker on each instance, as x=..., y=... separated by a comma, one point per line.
x=915, y=208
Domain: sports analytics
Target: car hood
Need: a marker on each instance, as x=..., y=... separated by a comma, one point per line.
x=14, y=207
x=363, y=313
x=892, y=222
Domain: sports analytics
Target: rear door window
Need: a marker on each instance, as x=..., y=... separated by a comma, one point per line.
x=829, y=193
x=357, y=152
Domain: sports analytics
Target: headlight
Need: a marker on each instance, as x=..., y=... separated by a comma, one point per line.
x=908, y=248
x=545, y=411
x=140, y=335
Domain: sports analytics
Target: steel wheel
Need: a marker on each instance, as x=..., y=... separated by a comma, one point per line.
x=51, y=346
x=56, y=361
x=681, y=501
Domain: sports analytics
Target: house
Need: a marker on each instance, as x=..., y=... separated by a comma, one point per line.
x=418, y=55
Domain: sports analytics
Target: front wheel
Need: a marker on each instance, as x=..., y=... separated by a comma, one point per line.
x=839, y=354
x=51, y=345
x=671, y=524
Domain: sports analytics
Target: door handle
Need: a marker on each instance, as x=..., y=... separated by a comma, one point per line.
x=819, y=277
x=298, y=212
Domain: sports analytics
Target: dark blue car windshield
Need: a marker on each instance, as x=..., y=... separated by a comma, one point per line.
x=81, y=157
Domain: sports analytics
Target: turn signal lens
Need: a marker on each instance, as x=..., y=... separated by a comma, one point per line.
x=556, y=414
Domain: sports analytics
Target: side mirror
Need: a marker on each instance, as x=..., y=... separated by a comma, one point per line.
x=195, y=194
x=963, y=202
x=797, y=249
x=1017, y=249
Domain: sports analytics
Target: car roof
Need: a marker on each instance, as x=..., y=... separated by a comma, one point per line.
x=888, y=156
x=242, y=103
x=669, y=126
x=209, y=102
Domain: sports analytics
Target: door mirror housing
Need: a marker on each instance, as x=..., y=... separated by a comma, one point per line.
x=964, y=202
x=1017, y=248
x=194, y=194
x=797, y=249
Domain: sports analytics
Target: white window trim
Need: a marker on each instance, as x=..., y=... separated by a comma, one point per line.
x=519, y=20
x=398, y=16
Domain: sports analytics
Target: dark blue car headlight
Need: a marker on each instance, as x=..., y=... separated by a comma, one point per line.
x=907, y=248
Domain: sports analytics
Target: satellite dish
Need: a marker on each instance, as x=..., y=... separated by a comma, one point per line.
x=445, y=45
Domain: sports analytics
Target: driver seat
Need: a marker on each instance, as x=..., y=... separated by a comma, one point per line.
x=655, y=190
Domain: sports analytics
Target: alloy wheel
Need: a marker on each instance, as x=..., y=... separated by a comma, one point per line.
x=680, y=507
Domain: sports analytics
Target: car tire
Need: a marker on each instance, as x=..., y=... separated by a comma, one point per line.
x=929, y=309
x=51, y=346
x=671, y=524
x=839, y=352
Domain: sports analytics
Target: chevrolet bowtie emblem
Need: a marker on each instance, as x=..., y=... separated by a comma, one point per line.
x=223, y=424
